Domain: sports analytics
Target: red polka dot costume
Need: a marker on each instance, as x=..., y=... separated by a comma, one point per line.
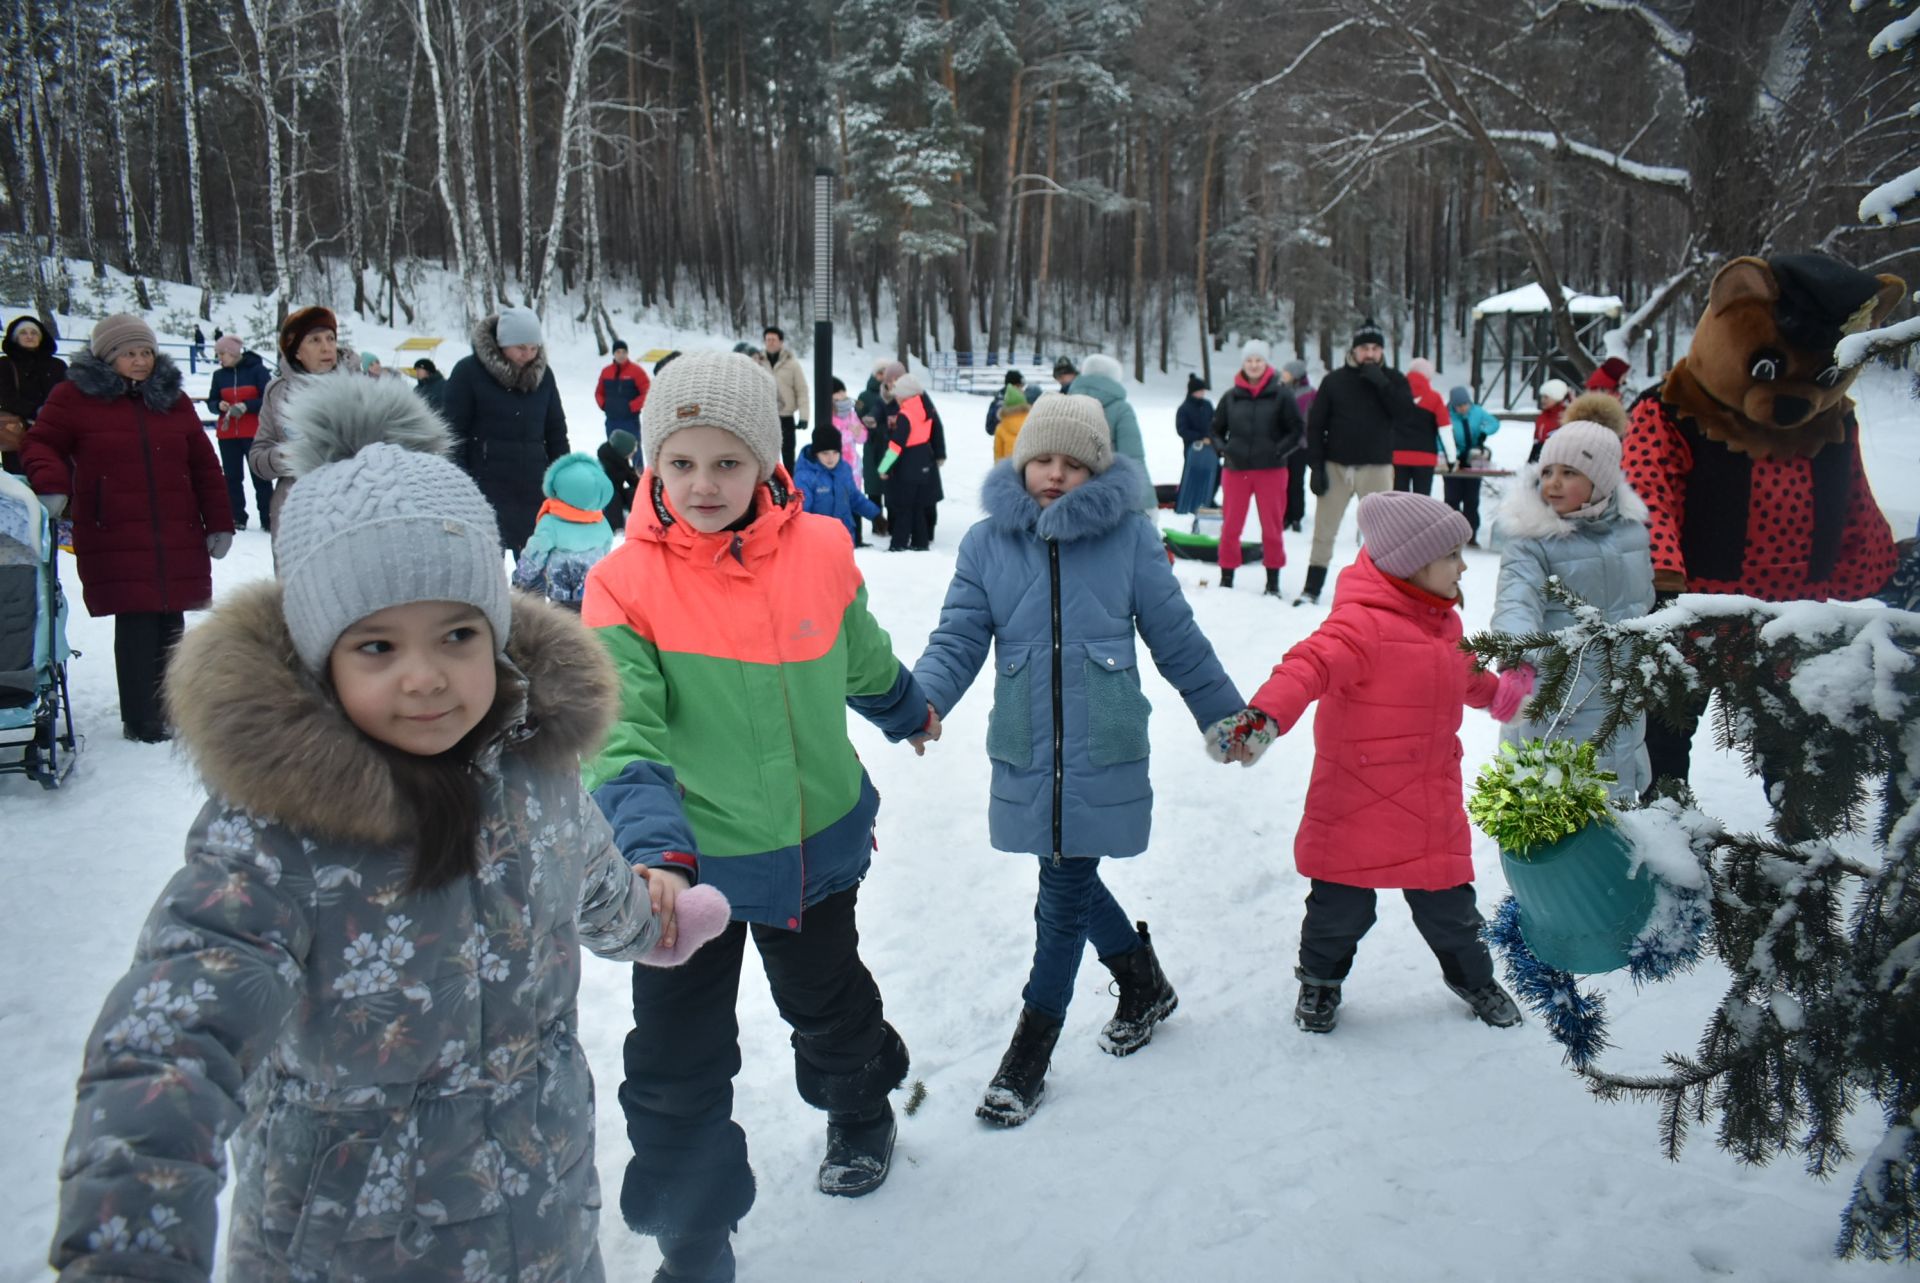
x=1811, y=530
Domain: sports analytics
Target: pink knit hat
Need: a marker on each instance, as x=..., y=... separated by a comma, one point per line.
x=228, y=345
x=1590, y=449
x=1405, y=531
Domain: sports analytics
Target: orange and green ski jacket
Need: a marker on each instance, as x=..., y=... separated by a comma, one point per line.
x=738, y=655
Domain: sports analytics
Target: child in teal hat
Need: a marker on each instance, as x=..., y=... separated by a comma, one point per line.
x=571, y=532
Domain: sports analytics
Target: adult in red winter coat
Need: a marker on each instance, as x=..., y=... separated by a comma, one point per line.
x=1417, y=451
x=119, y=448
x=621, y=393
x=1554, y=396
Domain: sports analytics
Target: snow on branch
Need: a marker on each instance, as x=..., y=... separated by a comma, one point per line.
x=1619, y=339
x=1291, y=67
x=1670, y=177
x=1882, y=205
x=1671, y=41
x=1895, y=36
x=1858, y=349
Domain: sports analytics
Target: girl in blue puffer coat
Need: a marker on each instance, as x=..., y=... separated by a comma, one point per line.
x=1057, y=578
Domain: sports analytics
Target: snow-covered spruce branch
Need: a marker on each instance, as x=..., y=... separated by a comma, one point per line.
x=1858, y=349
x=1883, y=204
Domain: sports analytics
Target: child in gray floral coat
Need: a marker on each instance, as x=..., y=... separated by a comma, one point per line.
x=366, y=973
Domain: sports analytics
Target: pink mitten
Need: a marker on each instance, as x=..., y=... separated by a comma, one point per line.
x=702, y=913
x=1515, y=685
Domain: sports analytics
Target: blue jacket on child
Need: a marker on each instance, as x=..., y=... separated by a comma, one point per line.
x=835, y=494
x=1058, y=592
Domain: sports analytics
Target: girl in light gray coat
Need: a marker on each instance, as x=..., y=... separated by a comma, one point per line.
x=1574, y=517
x=366, y=973
x=1056, y=579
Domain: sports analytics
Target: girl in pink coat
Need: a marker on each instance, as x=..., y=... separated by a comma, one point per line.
x=1384, y=805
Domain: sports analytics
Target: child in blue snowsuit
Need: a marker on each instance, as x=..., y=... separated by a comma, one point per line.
x=1057, y=578
x=571, y=533
x=828, y=485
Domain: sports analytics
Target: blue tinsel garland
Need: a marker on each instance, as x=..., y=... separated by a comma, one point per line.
x=1577, y=1019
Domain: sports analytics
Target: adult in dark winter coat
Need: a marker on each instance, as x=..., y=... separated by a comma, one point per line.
x=119, y=448
x=616, y=460
x=620, y=393
x=310, y=349
x=1417, y=448
x=431, y=385
x=1294, y=375
x=1257, y=425
x=911, y=466
x=875, y=407
x=1200, y=457
x=1350, y=435
x=504, y=408
x=28, y=372
x=234, y=396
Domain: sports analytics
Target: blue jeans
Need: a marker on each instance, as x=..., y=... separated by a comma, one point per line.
x=1074, y=909
x=1199, y=478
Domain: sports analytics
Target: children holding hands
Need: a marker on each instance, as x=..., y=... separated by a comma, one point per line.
x=1056, y=580
x=1384, y=805
x=366, y=973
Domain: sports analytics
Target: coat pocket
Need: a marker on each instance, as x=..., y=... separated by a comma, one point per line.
x=1010, y=724
x=1117, y=712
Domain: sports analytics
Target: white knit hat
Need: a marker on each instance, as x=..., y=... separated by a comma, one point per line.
x=377, y=517
x=1590, y=449
x=1256, y=347
x=1069, y=424
x=722, y=390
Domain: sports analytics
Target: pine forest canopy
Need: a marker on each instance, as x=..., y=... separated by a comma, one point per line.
x=1156, y=175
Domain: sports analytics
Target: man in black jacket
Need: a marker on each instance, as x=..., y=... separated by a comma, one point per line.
x=1350, y=442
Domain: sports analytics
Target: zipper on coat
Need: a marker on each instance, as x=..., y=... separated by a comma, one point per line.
x=153, y=500
x=1059, y=730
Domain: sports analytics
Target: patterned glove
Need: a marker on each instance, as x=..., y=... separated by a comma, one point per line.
x=1515, y=685
x=1249, y=728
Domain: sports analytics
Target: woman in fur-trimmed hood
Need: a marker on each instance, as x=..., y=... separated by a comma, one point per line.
x=1573, y=517
x=365, y=975
x=504, y=408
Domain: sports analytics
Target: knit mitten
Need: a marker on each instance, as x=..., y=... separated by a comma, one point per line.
x=702, y=913
x=1515, y=685
x=1249, y=728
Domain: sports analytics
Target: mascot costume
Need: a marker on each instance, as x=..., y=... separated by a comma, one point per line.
x=1748, y=454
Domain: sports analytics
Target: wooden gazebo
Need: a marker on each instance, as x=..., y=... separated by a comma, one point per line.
x=1513, y=343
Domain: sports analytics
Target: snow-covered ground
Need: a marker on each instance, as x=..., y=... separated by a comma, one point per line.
x=1414, y=1143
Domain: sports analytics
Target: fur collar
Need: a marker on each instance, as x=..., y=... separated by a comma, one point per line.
x=1525, y=515
x=514, y=378
x=268, y=736
x=1094, y=509
x=98, y=379
x=1690, y=399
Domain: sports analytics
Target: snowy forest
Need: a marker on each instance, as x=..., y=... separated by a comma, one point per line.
x=1015, y=173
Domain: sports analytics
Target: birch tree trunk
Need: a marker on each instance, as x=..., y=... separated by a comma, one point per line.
x=190, y=120
x=26, y=124
x=120, y=89
x=443, y=174
x=348, y=17
x=76, y=106
x=586, y=21
x=524, y=97
x=256, y=14
x=482, y=258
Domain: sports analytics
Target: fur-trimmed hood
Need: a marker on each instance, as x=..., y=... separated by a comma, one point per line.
x=1097, y=506
x=270, y=737
x=96, y=378
x=1525, y=515
x=514, y=378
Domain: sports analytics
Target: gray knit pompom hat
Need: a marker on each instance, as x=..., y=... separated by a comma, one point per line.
x=377, y=517
x=722, y=390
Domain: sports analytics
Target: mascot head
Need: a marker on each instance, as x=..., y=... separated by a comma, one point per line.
x=1760, y=374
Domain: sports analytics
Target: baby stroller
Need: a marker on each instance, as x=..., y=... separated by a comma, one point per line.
x=36, y=718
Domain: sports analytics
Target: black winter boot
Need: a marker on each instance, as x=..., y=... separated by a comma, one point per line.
x=1145, y=998
x=1021, y=1080
x=1318, y=1009
x=1489, y=1002
x=696, y=1258
x=1310, y=592
x=1273, y=581
x=1226, y=577
x=859, y=1152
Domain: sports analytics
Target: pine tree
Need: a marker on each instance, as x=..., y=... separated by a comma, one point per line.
x=1823, y=950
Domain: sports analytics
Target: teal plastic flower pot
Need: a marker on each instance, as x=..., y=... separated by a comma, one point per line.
x=1581, y=900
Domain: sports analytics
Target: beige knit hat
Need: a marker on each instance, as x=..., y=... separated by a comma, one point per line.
x=722, y=390
x=119, y=332
x=1065, y=424
x=1405, y=531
